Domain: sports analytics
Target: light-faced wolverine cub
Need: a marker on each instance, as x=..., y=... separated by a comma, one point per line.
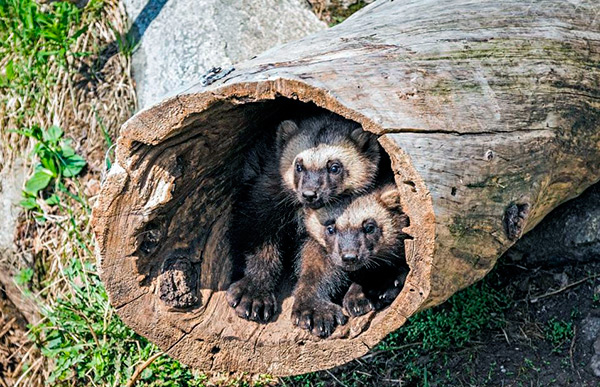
x=361, y=242
x=311, y=162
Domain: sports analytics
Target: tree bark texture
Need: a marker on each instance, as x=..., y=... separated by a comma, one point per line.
x=489, y=110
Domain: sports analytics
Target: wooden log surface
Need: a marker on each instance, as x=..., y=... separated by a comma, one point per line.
x=490, y=112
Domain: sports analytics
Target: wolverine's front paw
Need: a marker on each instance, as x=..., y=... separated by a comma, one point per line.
x=356, y=302
x=319, y=317
x=386, y=296
x=251, y=302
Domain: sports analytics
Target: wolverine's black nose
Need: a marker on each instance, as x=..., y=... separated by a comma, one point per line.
x=309, y=195
x=349, y=258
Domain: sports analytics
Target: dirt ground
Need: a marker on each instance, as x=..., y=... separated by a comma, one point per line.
x=547, y=338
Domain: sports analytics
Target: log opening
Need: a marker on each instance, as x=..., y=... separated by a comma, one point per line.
x=169, y=218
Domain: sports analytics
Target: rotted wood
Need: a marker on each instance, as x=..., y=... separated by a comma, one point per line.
x=489, y=111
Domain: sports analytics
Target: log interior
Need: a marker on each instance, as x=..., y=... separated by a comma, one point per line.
x=170, y=223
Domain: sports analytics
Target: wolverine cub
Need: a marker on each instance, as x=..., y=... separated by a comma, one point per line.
x=361, y=242
x=312, y=162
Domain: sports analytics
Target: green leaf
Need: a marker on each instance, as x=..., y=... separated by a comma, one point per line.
x=29, y=204
x=10, y=71
x=40, y=180
x=24, y=276
x=41, y=219
x=66, y=149
x=48, y=162
x=53, y=200
x=73, y=165
x=53, y=134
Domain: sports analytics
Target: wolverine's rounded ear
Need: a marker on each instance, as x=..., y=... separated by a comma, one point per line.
x=285, y=130
x=390, y=197
x=367, y=142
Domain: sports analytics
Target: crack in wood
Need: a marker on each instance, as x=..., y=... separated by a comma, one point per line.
x=121, y=306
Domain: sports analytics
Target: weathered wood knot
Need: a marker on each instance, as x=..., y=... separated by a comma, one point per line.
x=514, y=220
x=214, y=74
x=178, y=282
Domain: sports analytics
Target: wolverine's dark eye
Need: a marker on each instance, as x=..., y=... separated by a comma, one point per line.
x=299, y=167
x=335, y=168
x=331, y=230
x=369, y=228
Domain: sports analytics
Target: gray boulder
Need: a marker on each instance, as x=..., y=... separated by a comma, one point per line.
x=180, y=40
x=12, y=179
x=569, y=234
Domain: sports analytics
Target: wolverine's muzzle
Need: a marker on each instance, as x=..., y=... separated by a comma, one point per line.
x=349, y=248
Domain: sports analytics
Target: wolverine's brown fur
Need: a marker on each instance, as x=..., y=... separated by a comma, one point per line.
x=359, y=242
x=337, y=159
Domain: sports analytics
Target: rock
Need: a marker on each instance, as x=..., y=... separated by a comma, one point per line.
x=12, y=180
x=595, y=365
x=569, y=234
x=182, y=39
x=590, y=329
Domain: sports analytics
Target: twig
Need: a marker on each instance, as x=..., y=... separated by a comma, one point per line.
x=131, y=382
x=505, y=336
x=555, y=292
x=336, y=379
x=391, y=349
x=35, y=366
x=572, y=346
x=7, y=327
x=572, y=349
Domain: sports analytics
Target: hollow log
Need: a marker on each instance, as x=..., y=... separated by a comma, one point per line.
x=489, y=111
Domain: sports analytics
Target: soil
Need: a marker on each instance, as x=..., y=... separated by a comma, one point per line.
x=547, y=339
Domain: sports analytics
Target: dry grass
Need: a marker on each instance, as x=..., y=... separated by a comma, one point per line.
x=90, y=97
x=334, y=12
x=90, y=94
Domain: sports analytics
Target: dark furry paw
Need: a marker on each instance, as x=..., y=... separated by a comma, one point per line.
x=356, y=302
x=319, y=317
x=386, y=296
x=251, y=302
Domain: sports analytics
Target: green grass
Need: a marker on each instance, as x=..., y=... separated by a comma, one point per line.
x=80, y=334
x=339, y=14
x=90, y=345
x=559, y=333
x=431, y=335
x=82, y=339
x=35, y=41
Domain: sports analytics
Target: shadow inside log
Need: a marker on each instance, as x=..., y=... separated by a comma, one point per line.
x=187, y=183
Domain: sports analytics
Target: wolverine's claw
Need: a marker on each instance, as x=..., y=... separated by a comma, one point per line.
x=251, y=302
x=356, y=302
x=319, y=317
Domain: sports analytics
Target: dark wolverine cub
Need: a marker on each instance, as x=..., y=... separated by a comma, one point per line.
x=361, y=242
x=311, y=162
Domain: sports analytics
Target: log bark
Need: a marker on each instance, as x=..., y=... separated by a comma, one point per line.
x=489, y=111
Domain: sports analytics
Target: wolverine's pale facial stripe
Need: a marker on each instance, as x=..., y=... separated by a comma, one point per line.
x=367, y=207
x=314, y=227
x=353, y=217
x=317, y=158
